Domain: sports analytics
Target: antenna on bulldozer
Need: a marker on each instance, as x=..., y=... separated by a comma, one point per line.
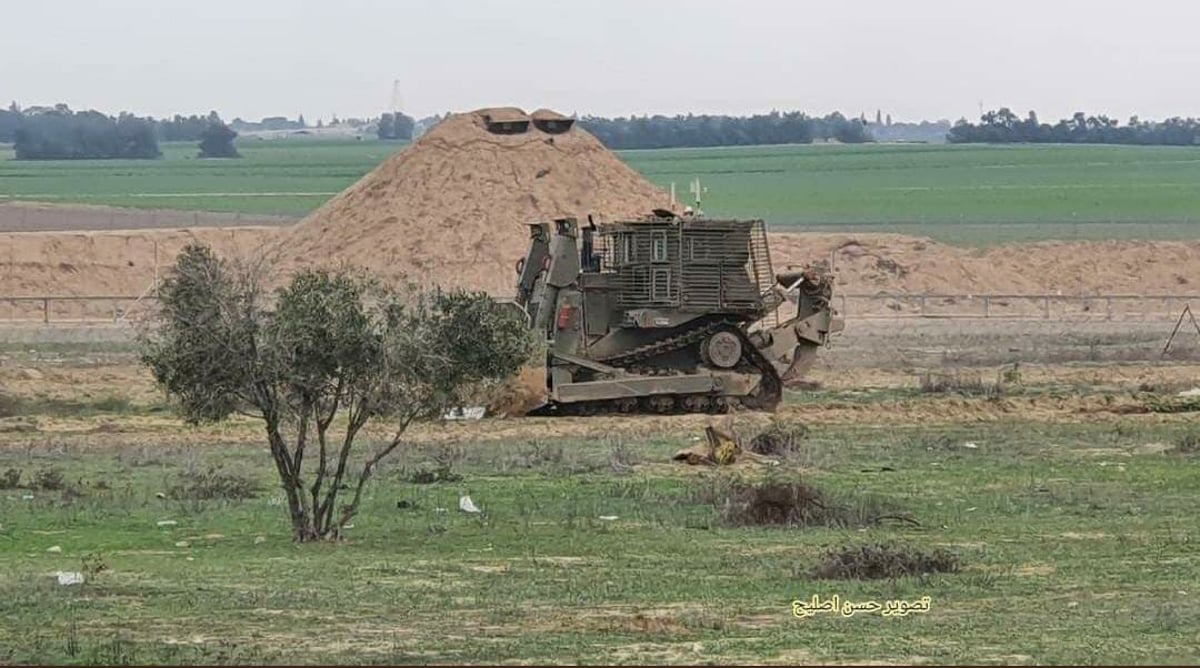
x=697, y=190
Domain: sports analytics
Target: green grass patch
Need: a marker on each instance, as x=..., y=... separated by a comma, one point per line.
x=1073, y=548
x=972, y=195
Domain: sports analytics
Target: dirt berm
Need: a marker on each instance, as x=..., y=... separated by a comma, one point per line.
x=451, y=209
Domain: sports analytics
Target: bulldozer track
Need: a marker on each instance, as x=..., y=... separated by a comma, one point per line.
x=765, y=398
x=666, y=345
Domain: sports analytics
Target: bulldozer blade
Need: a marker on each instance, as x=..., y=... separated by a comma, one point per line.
x=803, y=357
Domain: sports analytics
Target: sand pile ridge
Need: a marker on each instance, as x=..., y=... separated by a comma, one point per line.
x=451, y=208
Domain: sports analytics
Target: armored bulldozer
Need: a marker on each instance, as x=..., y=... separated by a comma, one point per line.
x=668, y=314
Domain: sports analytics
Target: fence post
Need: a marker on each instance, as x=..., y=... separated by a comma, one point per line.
x=987, y=306
x=1046, y=306
x=46, y=310
x=1108, y=313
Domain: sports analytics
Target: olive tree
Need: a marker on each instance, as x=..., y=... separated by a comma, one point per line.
x=327, y=355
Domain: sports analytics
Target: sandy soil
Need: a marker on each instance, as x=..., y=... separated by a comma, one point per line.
x=18, y=216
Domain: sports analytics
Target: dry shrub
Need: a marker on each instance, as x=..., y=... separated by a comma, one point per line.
x=621, y=459
x=882, y=561
x=958, y=383
x=519, y=394
x=10, y=405
x=1189, y=443
x=10, y=479
x=781, y=438
x=212, y=483
x=784, y=503
x=49, y=479
x=424, y=476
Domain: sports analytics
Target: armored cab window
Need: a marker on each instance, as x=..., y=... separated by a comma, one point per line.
x=628, y=247
x=658, y=247
x=660, y=285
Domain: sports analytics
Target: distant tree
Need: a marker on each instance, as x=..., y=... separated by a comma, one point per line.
x=387, y=127
x=182, y=128
x=334, y=353
x=395, y=126
x=1002, y=126
x=888, y=121
x=403, y=126
x=57, y=133
x=851, y=132
x=217, y=141
x=300, y=120
x=878, y=117
x=9, y=121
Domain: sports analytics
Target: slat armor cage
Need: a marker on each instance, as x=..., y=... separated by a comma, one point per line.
x=690, y=265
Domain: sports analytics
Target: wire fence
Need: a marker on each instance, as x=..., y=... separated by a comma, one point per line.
x=65, y=310
x=21, y=217
x=1065, y=308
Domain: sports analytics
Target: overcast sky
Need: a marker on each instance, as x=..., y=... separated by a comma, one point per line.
x=911, y=58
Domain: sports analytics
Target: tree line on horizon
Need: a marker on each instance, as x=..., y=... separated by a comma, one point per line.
x=690, y=130
x=1002, y=126
x=59, y=133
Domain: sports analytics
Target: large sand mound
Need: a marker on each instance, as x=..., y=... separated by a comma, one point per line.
x=451, y=208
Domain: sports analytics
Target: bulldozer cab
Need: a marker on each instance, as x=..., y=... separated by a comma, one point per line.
x=690, y=265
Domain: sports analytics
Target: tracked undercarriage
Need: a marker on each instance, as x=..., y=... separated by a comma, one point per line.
x=668, y=315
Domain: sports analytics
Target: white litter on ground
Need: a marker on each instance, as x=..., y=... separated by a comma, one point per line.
x=68, y=577
x=466, y=505
x=465, y=413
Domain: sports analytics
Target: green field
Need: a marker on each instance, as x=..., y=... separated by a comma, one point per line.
x=1077, y=545
x=954, y=193
x=971, y=194
x=273, y=177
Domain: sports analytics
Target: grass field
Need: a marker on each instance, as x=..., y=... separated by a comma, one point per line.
x=280, y=177
x=1076, y=535
x=966, y=194
x=954, y=193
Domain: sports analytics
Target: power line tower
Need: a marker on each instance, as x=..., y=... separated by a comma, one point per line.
x=395, y=108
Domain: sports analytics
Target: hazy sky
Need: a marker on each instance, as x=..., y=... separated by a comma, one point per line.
x=911, y=58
